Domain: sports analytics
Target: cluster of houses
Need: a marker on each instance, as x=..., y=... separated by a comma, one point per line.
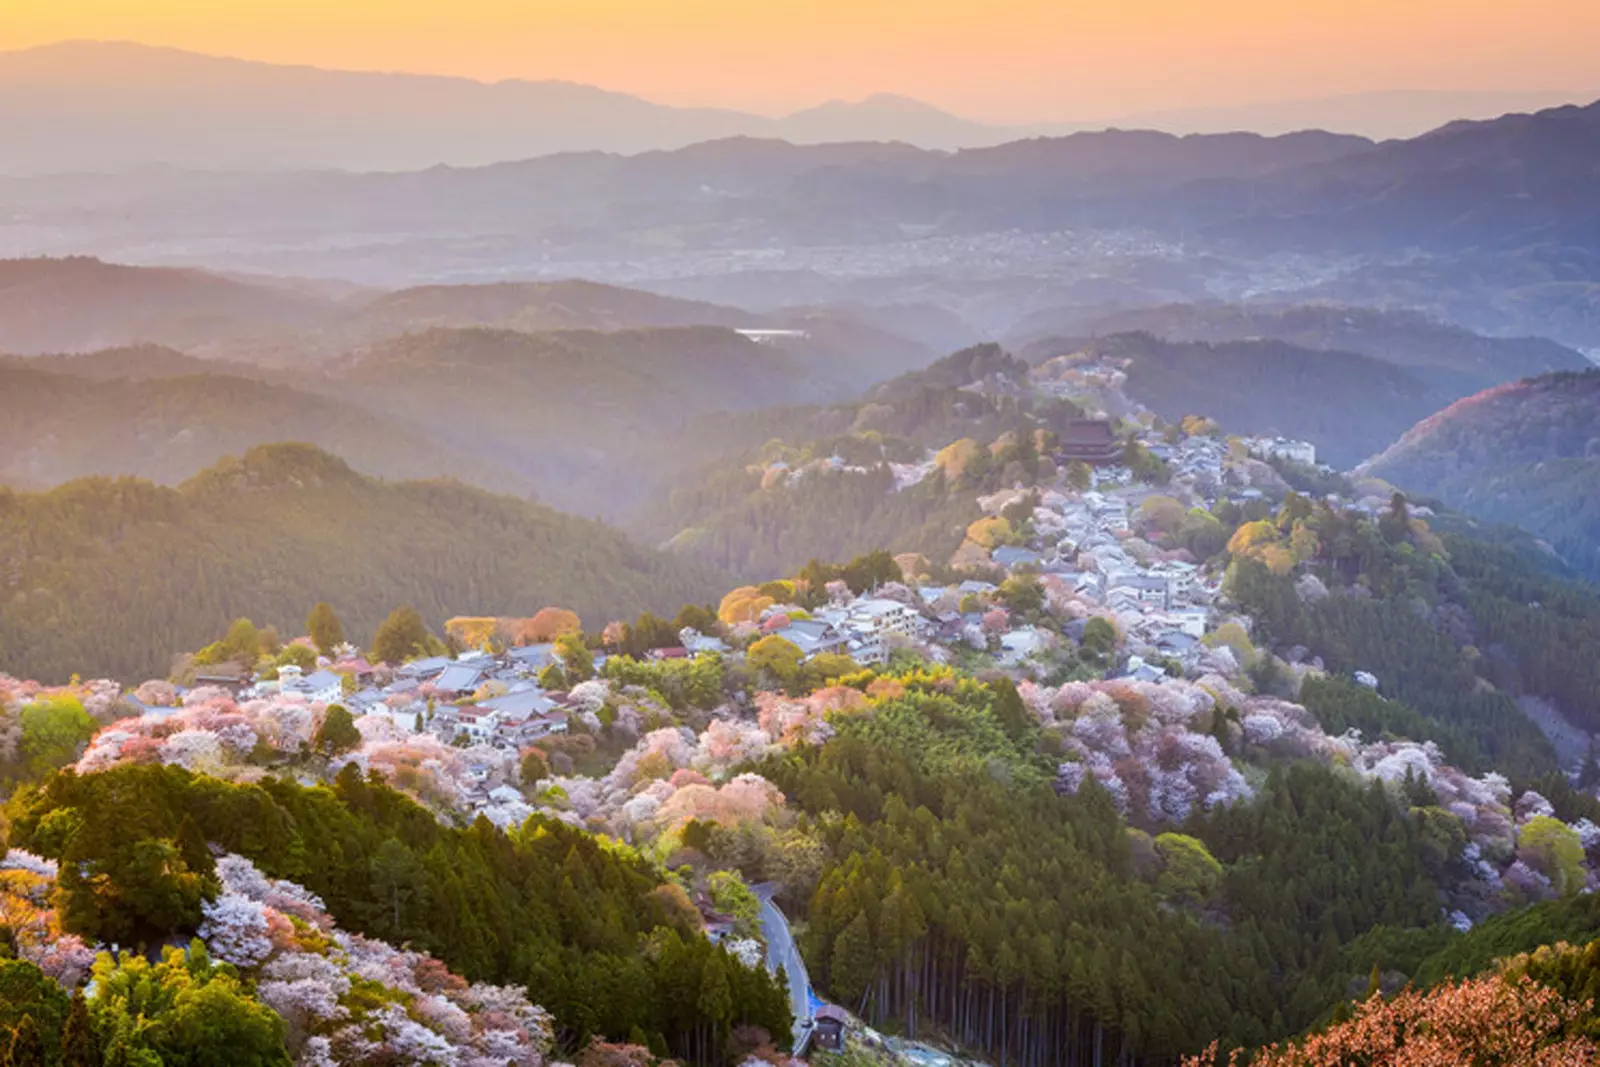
x=1166, y=603
x=865, y=629
x=492, y=699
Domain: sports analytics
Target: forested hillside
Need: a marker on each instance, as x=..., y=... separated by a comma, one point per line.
x=81, y=304
x=112, y=577
x=134, y=362
x=1526, y=453
x=591, y=422
x=530, y=307
x=580, y=926
x=962, y=895
x=901, y=469
x=1453, y=627
x=590, y=419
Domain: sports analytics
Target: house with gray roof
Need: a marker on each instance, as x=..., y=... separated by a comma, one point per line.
x=460, y=678
x=318, y=687
x=814, y=636
x=420, y=669
x=533, y=658
x=1010, y=557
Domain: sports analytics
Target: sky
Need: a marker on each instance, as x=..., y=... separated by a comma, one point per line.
x=996, y=60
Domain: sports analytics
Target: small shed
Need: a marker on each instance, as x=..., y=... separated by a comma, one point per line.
x=831, y=1022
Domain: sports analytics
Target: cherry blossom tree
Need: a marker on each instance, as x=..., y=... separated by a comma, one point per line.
x=234, y=928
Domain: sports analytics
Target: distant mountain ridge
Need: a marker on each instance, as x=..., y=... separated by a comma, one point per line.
x=149, y=413
x=586, y=396
x=1393, y=114
x=111, y=105
x=1486, y=188
x=141, y=111
x=81, y=304
x=1515, y=180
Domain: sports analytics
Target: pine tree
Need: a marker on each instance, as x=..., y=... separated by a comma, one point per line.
x=400, y=637
x=337, y=733
x=326, y=631
x=27, y=1047
x=78, y=1046
x=850, y=970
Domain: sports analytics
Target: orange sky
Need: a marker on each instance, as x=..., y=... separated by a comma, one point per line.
x=1017, y=60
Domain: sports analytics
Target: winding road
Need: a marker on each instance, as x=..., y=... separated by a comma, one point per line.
x=782, y=952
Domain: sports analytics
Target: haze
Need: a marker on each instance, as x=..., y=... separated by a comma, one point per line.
x=1008, y=61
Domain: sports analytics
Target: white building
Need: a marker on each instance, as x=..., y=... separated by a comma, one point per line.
x=479, y=724
x=1145, y=590
x=773, y=337
x=1179, y=576
x=1108, y=512
x=1282, y=448
x=872, y=624
x=319, y=687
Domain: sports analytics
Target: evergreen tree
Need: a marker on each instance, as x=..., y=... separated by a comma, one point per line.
x=851, y=966
x=78, y=1045
x=337, y=733
x=577, y=664
x=26, y=1048
x=326, y=631
x=401, y=636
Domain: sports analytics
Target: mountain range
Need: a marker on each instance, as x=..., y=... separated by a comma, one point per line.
x=82, y=304
x=97, y=106
x=1495, y=224
x=599, y=399
x=103, y=105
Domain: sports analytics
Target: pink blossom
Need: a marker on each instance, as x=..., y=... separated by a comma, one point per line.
x=66, y=958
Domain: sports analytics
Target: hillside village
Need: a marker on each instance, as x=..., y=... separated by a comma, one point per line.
x=1072, y=586
x=1095, y=602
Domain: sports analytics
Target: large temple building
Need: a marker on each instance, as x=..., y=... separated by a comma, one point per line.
x=1090, y=441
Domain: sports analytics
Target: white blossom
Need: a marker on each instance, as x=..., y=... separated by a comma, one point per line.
x=235, y=930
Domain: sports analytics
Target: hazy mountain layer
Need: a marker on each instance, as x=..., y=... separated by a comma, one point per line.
x=109, y=577
x=55, y=427
x=1449, y=357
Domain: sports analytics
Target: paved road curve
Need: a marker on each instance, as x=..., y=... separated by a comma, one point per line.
x=781, y=952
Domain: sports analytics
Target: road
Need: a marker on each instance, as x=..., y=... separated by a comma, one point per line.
x=782, y=952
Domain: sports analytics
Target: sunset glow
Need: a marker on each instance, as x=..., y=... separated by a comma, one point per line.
x=1006, y=60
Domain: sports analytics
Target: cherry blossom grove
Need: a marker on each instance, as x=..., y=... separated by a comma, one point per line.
x=672, y=775
x=1163, y=750
x=305, y=969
